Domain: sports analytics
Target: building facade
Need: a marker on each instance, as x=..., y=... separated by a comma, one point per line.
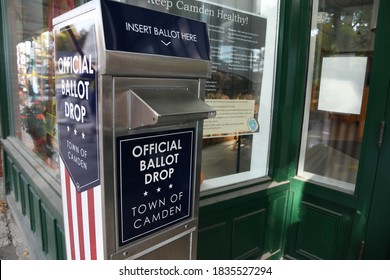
x=293, y=167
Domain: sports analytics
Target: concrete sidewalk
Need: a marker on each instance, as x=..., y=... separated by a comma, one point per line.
x=12, y=243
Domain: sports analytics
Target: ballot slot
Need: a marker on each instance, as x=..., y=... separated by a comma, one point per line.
x=158, y=106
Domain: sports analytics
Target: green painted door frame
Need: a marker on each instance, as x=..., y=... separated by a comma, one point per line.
x=377, y=239
x=289, y=85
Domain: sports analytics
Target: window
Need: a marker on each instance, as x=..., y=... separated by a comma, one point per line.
x=243, y=44
x=337, y=91
x=31, y=73
x=243, y=38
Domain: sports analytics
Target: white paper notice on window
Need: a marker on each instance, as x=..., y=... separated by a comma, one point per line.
x=342, y=84
x=234, y=117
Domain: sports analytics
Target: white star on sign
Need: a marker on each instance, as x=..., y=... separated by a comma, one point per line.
x=83, y=135
x=75, y=132
x=145, y=193
x=158, y=189
x=170, y=186
x=68, y=128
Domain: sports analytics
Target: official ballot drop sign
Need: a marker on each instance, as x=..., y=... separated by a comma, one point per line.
x=77, y=103
x=155, y=181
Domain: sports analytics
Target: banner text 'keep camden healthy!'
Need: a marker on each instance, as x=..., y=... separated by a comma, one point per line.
x=200, y=8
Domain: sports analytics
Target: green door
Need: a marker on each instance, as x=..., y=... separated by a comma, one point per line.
x=339, y=196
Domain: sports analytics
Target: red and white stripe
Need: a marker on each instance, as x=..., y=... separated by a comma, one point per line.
x=82, y=220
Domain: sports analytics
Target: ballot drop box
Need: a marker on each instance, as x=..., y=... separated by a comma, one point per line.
x=129, y=86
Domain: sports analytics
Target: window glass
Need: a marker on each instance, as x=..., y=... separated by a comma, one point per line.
x=30, y=46
x=337, y=90
x=243, y=38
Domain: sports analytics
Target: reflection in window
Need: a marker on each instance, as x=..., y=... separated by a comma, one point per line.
x=32, y=71
x=337, y=91
x=36, y=97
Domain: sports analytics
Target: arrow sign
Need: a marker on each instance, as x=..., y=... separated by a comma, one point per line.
x=166, y=44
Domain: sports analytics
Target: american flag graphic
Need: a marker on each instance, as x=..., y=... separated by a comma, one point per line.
x=82, y=220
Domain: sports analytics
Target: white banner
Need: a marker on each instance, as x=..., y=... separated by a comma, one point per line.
x=199, y=270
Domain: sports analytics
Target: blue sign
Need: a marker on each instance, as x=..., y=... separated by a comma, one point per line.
x=77, y=102
x=134, y=29
x=155, y=182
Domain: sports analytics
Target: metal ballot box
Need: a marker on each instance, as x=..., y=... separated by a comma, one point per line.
x=129, y=86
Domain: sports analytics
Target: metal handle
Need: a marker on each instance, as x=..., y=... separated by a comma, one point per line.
x=381, y=134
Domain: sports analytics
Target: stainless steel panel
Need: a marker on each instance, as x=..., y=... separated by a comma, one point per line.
x=176, y=250
x=106, y=110
x=155, y=242
x=146, y=65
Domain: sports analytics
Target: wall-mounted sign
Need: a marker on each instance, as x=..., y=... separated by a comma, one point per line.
x=234, y=115
x=134, y=29
x=155, y=181
x=77, y=95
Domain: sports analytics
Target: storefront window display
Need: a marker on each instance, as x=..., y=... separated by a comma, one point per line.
x=30, y=46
